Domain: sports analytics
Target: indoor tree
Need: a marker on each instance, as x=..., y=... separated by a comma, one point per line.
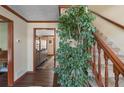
x=75, y=30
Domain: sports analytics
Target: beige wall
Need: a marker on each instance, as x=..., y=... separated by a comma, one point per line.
x=20, y=49
x=4, y=36
x=114, y=12
x=114, y=33
x=30, y=40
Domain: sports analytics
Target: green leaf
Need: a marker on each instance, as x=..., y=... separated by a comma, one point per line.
x=75, y=27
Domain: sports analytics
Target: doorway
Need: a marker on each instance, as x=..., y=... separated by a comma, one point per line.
x=44, y=46
x=6, y=52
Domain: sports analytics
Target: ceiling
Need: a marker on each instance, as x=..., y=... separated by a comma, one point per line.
x=37, y=12
x=45, y=12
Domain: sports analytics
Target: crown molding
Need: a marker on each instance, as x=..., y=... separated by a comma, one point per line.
x=43, y=21
x=3, y=21
x=14, y=12
x=5, y=18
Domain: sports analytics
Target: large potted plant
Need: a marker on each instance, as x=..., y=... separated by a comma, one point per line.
x=75, y=31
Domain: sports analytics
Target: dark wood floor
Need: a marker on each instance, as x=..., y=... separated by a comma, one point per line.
x=3, y=79
x=42, y=77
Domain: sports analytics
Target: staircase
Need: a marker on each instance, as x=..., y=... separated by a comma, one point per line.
x=103, y=67
x=107, y=63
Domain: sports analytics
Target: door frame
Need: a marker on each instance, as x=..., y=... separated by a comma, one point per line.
x=10, y=62
x=34, y=50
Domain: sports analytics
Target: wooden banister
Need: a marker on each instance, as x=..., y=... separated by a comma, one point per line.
x=109, y=52
x=118, y=65
x=99, y=63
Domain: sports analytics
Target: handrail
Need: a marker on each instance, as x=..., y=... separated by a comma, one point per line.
x=109, y=20
x=110, y=53
x=118, y=65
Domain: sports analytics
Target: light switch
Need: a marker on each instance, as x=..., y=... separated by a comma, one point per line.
x=18, y=41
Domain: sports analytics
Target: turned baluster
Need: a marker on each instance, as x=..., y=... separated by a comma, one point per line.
x=99, y=63
x=94, y=57
x=90, y=51
x=106, y=70
x=116, y=72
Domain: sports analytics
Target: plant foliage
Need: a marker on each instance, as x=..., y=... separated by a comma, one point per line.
x=76, y=37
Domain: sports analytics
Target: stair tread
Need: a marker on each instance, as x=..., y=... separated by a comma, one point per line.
x=111, y=82
x=120, y=55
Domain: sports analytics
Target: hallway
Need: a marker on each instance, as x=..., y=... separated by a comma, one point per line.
x=43, y=77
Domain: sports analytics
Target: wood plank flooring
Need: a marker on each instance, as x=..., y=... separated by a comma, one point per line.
x=3, y=79
x=41, y=78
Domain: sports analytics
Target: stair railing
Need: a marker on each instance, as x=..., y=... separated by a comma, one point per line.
x=108, y=53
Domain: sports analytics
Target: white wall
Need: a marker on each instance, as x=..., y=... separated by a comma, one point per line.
x=30, y=40
x=20, y=49
x=113, y=32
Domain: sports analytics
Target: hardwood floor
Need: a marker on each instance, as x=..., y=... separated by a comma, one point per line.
x=43, y=77
x=3, y=79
